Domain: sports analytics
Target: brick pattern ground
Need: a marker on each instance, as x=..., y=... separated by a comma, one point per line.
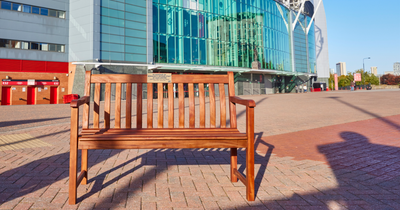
x=352, y=166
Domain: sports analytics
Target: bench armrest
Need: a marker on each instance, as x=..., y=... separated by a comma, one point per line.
x=78, y=102
x=246, y=102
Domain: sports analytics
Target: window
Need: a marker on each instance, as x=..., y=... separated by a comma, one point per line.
x=6, y=5
x=4, y=42
x=31, y=9
x=61, y=14
x=15, y=44
x=52, y=47
x=16, y=7
x=26, y=8
x=25, y=45
x=35, y=10
x=34, y=46
x=52, y=13
x=44, y=47
x=44, y=11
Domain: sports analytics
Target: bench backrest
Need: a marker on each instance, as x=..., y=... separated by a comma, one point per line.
x=180, y=80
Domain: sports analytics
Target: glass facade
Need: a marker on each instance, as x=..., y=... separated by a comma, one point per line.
x=312, y=61
x=222, y=33
x=300, y=44
x=123, y=30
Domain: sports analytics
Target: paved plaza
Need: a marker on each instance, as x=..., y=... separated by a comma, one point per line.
x=328, y=150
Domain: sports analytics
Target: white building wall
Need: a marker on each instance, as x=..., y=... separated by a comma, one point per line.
x=321, y=41
x=21, y=26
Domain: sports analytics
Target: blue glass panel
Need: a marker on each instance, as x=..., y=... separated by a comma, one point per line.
x=141, y=3
x=112, y=38
x=135, y=57
x=135, y=41
x=195, y=51
x=112, y=56
x=163, y=19
x=35, y=10
x=112, y=21
x=186, y=23
x=135, y=17
x=135, y=25
x=112, y=47
x=136, y=9
x=202, y=54
x=112, y=30
x=112, y=4
x=155, y=18
x=135, y=33
x=179, y=50
x=135, y=49
x=155, y=48
x=112, y=13
x=16, y=7
x=6, y=5
x=194, y=24
x=44, y=11
x=163, y=49
x=171, y=49
x=186, y=51
x=26, y=8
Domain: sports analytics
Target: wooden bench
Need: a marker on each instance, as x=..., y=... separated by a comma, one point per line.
x=159, y=137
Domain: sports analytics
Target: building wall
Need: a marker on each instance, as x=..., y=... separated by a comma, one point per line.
x=396, y=68
x=123, y=31
x=300, y=44
x=321, y=41
x=84, y=30
x=15, y=25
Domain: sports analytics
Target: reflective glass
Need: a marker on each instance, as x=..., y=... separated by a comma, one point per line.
x=52, y=13
x=26, y=8
x=44, y=11
x=35, y=10
x=16, y=7
x=61, y=14
x=4, y=42
x=34, y=46
x=6, y=5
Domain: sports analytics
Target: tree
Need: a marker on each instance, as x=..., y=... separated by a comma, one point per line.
x=389, y=79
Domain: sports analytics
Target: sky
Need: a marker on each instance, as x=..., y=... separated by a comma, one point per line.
x=360, y=29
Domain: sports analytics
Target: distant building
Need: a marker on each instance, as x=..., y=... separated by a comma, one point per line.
x=332, y=71
x=341, y=69
x=374, y=70
x=389, y=72
x=396, y=68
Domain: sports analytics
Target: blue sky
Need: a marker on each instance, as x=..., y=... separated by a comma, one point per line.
x=359, y=29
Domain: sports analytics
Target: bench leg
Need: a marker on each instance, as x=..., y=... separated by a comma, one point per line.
x=234, y=178
x=250, y=194
x=73, y=156
x=84, y=165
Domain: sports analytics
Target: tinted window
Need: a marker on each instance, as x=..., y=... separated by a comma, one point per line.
x=16, y=7
x=52, y=47
x=3, y=43
x=6, y=5
x=52, y=13
x=15, y=44
x=61, y=14
x=35, y=10
x=44, y=11
x=34, y=46
x=26, y=8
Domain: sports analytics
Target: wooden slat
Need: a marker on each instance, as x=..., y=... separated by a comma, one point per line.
x=107, y=105
x=160, y=101
x=139, y=106
x=160, y=144
x=85, y=115
x=212, y=105
x=163, y=136
x=202, y=106
x=181, y=97
x=128, y=106
x=92, y=130
x=118, y=105
x=96, y=105
x=184, y=78
x=170, y=105
x=222, y=104
x=84, y=166
x=241, y=177
x=232, y=106
x=192, y=115
x=119, y=78
x=81, y=178
x=149, y=105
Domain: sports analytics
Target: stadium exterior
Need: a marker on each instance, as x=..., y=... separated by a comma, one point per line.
x=269, y=44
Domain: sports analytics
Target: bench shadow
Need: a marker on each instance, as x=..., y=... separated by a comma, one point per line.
x=22, y=122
